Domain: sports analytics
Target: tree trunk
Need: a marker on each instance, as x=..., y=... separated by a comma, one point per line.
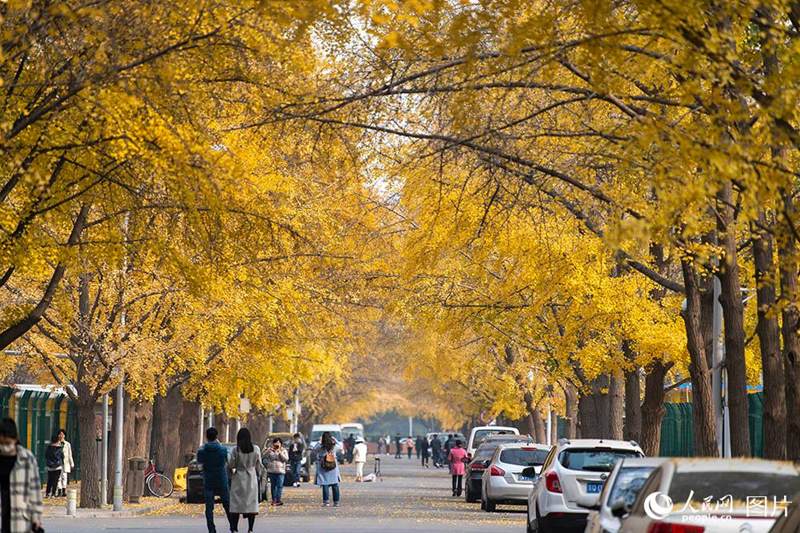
x=633, y=406
x=143, y=411
x=790, y=316
x=702, y=408
x=538, y=426
x=165, y=435
x=770, y=344
x=571, y=408
x=733, y=313
x=258, y=424
x=653, y=408
x=189, y=429
x=594, y=410
x=90, y=462
x=616, y=404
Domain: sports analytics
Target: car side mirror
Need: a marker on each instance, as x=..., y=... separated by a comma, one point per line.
x=589, y=501
x=530, y=472
x=619, y=508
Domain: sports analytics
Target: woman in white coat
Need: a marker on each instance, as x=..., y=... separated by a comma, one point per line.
x=69, y=462
x=360, y=457
x=245, y=470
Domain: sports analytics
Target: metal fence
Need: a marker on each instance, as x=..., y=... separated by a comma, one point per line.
x=39, y=412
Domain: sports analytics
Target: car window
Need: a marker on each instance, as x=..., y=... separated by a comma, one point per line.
x=628, y=483
x=651, y=485
x=483, y=433
x=739, y=485
x=523, y=457
x=593, y=459
x=484, y=453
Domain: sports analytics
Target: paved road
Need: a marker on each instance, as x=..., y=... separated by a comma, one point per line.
x=410, y=499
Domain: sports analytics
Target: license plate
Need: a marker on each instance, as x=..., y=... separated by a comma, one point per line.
x=594, y=488
x=525, y=478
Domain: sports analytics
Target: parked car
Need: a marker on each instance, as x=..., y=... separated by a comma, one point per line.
x=511, y=473
x=473, y=478
x=194, y=477
x=573, y=475
x=443, y=435
x=709, y=494
x=316, y=434
x=621, y=488
x=304, y=463
x=477, y=434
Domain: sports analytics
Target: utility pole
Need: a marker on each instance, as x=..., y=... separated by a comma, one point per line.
x=718, y=378
x=549, y=427
x=410, y=426
x=104, y=454
x=118, y=416
x=200, y=425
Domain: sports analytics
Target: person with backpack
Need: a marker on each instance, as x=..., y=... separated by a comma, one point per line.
x=20, y=488
x=54, y=461
x=244, y=470
x=275, y=460
x=328, y=470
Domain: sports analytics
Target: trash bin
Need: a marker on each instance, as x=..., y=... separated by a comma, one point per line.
x=135, y=480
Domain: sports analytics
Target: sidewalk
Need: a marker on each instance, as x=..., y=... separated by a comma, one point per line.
x=56, y=508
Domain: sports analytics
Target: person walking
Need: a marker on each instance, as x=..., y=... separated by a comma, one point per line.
x=20, y=488
x=436, y=451
x=424, y=450
x=244, y=470
x=349, y=444
x=360, y=457
x=398, y=443
x=275, y=460
x=214, y=458
x=457, y=458
x=328, y=470
x=409, y=446
x=418, y=445
x=296, y=450
x=380, y=446
x=69, y=462
x=54, y=462
x=388, y=441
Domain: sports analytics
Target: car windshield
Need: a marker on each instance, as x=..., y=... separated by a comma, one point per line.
x=484, y=453
x=628, y=483
x=730, y=483
x=593, y=459
x=523, y=457
x=316, y=435
x=483, y=433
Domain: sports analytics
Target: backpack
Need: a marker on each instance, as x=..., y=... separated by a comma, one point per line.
x=329, y=461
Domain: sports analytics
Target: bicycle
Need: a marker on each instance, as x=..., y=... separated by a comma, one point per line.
x=157, y=483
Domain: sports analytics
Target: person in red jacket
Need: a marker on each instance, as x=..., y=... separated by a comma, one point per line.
x=457, y=458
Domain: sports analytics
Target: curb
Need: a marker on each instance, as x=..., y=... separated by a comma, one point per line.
x=107, y=513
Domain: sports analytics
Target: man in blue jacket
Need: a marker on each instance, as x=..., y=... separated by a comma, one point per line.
x=214, y=458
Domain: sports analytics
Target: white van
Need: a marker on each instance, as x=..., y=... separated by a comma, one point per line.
x=481, y=432
x=354, y=428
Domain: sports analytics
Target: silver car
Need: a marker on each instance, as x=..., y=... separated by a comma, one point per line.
x=510, y=474
x=620, y=489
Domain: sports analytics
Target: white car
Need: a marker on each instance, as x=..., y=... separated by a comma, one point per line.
x=621, y=488
x=352, y=428
x=509, y=477
x=481, y=432
x=572, y=476
x=712, y=495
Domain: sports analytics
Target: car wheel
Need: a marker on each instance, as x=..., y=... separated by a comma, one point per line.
x=490, y=506
x=468, y=495
x=483, y=504
x=540, y=527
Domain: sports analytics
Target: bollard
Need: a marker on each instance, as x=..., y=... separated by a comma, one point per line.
x=72, y=502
